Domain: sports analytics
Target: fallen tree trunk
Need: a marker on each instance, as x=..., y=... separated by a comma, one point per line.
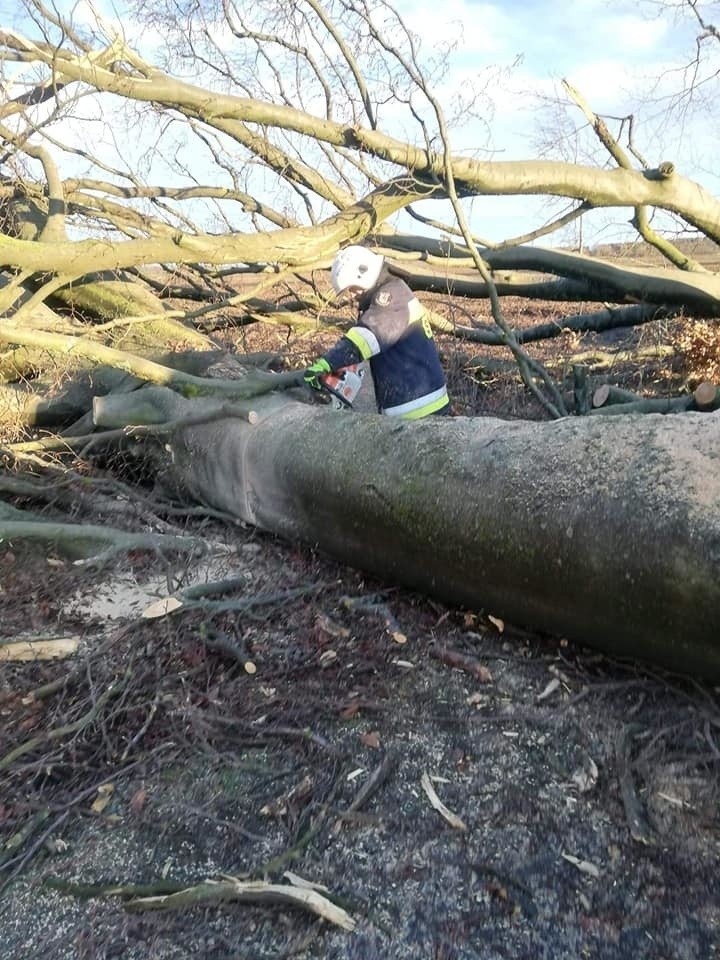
x=602, y=530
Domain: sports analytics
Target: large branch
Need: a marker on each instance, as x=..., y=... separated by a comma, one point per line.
x=615, y=281
x=603, y=530
x=300, y=246
x=598, y=322
x=600, y=187
x=76, y=193
x=254, y=383
x=601, y=280
x=308, y=245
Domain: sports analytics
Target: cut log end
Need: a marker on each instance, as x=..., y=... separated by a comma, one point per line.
x=601, y=395
x=606, y=394
x=706, y=395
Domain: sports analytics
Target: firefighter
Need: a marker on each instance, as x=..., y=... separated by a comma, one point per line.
x=392, y=334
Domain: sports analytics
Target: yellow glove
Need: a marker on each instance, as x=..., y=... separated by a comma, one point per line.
x=314, y=372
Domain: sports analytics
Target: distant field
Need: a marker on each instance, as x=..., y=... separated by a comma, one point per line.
x=639, y=254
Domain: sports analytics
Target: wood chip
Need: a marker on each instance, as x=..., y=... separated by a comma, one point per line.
x=160, y=608
x=327, y=657
x=549, y=690
x=105, y=794
x=26, y=650
x=437, y=803
x=371, y=739
x=584, y=866
x=675, y=801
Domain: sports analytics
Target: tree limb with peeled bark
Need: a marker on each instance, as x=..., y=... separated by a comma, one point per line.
x=182, y=209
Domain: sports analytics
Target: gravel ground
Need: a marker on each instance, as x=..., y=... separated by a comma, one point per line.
x=587, y=789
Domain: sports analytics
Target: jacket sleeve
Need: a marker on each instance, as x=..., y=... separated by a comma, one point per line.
x=343, y=354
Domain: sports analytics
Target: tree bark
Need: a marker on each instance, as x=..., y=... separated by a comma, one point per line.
x=602, y=530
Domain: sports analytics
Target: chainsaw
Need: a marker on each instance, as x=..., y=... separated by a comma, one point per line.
x=343, y=385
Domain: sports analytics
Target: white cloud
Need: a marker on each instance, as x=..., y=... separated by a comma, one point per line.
x=622, y=55
x=480, y=28
x=631, y=34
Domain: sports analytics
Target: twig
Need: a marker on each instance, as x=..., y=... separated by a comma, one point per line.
x=376, y=779
x=32, y=851
x=89, y=891
x=223, y=644
x=372, y=607
x=281, y=861
x=48, y=689
x=437, y=804
x=204, y=813
x=296, y=733
x=639, y=829
x=75, y=533
x=143, y=729
x=211, y=588
x=287, y=856
x=111, y=777
x=16, y=841
x=59, y=732
x=176, y=603
x=462, y=661
x=252, y=891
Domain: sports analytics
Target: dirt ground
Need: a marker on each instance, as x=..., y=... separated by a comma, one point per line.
x=303, y=724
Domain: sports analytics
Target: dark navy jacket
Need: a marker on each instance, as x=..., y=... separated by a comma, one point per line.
x=394, y=335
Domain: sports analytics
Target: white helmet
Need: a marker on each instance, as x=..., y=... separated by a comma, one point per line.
x=356, y=267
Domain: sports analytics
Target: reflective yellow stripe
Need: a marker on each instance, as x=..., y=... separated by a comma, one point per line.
x=418, y=314
x=427, y=409
x=421, y=406
x=359, y=338
x=415, y=310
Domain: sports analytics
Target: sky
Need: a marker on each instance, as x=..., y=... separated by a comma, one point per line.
x=622, y=56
